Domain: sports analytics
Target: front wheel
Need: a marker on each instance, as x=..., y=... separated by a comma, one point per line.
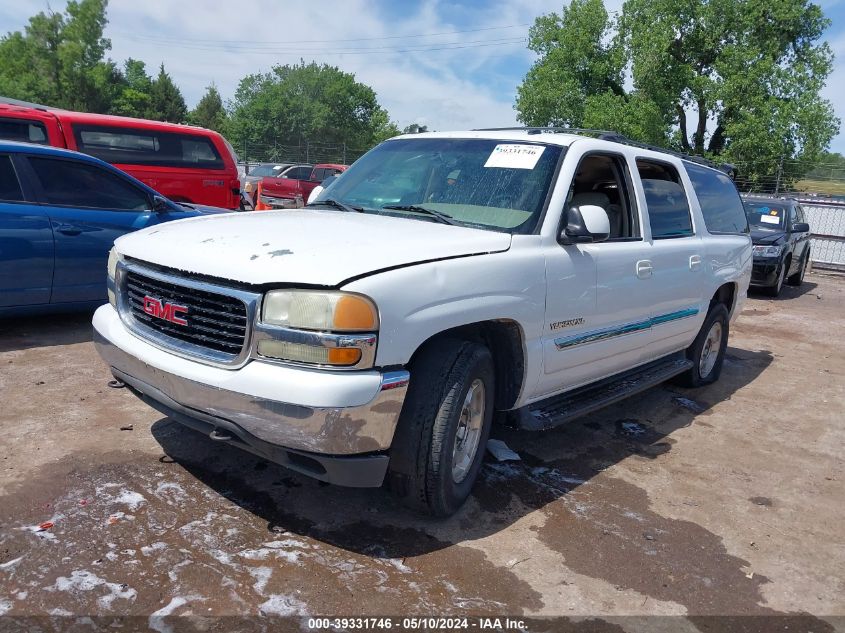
x=774, y=291
x=707, y=351
x=797, y=278
x=444, y=425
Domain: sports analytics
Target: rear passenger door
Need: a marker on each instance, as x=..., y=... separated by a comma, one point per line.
x=89, y=206
x=675, y=262
x=26, y=243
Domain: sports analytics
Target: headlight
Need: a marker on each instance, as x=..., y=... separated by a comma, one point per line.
x=111, y=269
x=324, y=311
x=321, y=328
x=767, y=251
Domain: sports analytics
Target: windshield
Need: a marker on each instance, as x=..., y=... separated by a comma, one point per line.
x=267, y=170
x=481, y=183
x=765, y=216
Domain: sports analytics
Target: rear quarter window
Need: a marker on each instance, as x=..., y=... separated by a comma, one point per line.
x=23, y=131
x=719, y=200
x=130, y=146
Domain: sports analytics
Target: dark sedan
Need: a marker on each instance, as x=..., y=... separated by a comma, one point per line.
x=781, y=238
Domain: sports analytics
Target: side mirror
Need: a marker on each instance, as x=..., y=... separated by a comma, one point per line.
x=800, y=227
x=585, y=224
x=160, y=204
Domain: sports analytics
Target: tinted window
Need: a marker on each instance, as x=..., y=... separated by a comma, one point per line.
x=298, y=173
x=23, y=131
x=668, y=208
x=719, y=200
x=130, y=146
x=10, y=188
x=73, y=184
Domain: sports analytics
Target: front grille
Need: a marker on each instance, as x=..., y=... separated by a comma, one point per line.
x=214, y=321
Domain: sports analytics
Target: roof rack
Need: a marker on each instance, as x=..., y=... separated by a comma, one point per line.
x=616, y=137
x=24, y=104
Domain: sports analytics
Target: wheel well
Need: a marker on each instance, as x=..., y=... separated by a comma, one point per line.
x=504, y=340
x=725, y=294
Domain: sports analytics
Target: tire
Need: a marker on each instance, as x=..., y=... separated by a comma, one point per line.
x=445, y=375
x=797, y=278
x=707, y=372
x=774, y=291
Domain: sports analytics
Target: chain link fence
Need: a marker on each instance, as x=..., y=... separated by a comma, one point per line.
x=305, y=153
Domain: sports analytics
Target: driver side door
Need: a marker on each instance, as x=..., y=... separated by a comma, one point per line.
x=89, y=206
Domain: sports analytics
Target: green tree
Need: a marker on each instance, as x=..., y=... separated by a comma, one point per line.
x=209, y=112
x=59, y=59
x=300, y=103
x=735, y=79
x=134, y=98
x=166, y=100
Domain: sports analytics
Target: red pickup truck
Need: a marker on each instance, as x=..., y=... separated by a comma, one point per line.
x=291, y=193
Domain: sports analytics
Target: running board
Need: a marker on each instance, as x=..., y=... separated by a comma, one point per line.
x=560, y=409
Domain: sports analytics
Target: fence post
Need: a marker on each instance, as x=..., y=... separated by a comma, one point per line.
x=780, y=173
x=307, y=151
x=344, y=152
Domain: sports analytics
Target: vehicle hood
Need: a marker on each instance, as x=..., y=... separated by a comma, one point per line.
x=278, y=186
x=199, y=209
x=766, y=237
x=310, y=247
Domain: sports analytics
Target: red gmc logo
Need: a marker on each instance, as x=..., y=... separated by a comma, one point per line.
x=165, y=311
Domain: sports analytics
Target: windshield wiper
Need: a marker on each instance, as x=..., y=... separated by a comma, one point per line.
x=441, y=217
x=331, y=202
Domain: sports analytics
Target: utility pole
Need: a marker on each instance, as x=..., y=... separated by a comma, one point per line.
x=780, y=174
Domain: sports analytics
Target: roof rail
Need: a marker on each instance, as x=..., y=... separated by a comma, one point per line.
x=616, y=137
x=24, y=104
x=558, y=130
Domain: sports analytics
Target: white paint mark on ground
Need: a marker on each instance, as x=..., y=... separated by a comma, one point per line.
x=283, y=605
x=81, y=580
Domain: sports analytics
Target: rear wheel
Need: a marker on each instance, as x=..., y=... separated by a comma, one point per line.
x=444, y=425
x=797, y=278
x=707, y=352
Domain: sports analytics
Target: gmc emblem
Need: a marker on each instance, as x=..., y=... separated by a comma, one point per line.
x=165, y=311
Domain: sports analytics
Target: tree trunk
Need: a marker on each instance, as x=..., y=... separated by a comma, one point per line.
x=702, y=127
x=717, y=141
x=682, y=123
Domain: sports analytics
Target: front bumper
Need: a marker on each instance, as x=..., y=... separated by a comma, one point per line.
x=765, y=271
x=335, y=426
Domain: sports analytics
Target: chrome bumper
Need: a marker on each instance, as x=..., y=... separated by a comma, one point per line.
x=339, y=444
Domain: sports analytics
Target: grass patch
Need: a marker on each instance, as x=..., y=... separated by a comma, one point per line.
x=827, y=187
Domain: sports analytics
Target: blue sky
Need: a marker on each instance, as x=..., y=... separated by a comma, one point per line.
x=409, y=52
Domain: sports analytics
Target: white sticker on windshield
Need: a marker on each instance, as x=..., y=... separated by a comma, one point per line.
x=770, y=219
x=515, y=156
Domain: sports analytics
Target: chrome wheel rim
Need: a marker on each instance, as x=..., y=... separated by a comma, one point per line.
x=468, y=433
x=710, y=351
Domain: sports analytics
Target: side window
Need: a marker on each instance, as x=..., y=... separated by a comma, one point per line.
x=10, y=188
x=602, y=180
x=793, y=216
x=23, y=131
x=299, y=173
x=801, y=213
x=75, y=184
x=133, y=146
x=668, y=208
x=719, y=200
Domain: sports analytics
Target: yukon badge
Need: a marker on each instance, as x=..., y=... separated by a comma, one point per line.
x=165, y=311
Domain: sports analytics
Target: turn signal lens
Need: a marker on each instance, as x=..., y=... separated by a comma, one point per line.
x=354, y=313
x=344, y=356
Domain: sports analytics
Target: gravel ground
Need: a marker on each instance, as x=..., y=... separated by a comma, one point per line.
x=726, y=500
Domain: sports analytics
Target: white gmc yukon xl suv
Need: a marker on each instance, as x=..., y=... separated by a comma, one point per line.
x=369, y=339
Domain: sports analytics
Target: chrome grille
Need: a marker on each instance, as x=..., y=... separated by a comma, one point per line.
x=214, y=321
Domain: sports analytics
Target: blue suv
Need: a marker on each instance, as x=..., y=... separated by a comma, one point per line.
x=60, y=212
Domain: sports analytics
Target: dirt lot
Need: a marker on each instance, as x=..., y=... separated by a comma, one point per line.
x=722, y=501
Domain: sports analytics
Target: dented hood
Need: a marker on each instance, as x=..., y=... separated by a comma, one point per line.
x=314, y=247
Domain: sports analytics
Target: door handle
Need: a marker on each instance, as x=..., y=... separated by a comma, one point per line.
x=644, y=269
x=695, y=262
x=68, y=229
